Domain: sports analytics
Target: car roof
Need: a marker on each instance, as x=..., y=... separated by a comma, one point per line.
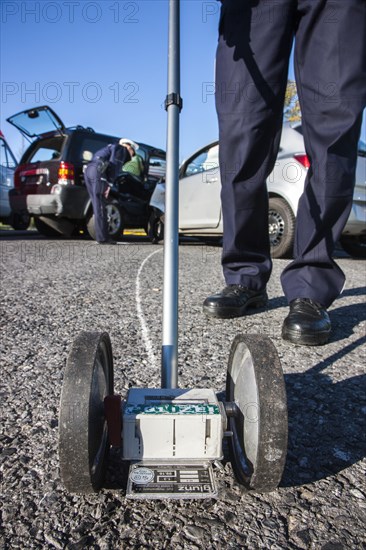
x=292, y=141
x=151, y=150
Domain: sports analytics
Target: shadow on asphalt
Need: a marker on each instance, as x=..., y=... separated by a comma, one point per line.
x=326, y=417
x=361, y=291
x=346, y=318
x=326, y=421
x=355, y=310
x=326, y=425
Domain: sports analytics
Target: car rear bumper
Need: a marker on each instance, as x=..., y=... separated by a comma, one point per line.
x=66, y=202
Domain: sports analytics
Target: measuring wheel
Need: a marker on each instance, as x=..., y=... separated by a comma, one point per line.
x=256, y=396
x=83, y=438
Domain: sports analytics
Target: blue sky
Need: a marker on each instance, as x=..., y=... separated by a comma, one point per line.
x=104, y=64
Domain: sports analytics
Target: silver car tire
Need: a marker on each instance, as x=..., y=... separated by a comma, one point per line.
x=114, y=219
x=281, y=225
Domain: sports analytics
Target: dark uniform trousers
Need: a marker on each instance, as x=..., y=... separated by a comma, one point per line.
x=96, y=188
x=256, y=38
x=108, y=162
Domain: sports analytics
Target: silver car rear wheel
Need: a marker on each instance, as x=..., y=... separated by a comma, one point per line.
x=281, y=226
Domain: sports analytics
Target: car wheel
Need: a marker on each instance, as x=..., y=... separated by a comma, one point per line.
x=20, y=221
x=354, y=246
x=155, y=228
x=281, y=222
x=114, y=219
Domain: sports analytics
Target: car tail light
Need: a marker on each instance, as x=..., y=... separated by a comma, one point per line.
x=303, y=159
x=66, y=174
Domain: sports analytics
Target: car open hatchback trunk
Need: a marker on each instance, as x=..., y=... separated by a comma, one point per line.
x=37, y=121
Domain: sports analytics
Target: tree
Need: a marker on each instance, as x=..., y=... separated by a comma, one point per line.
x=292, y=112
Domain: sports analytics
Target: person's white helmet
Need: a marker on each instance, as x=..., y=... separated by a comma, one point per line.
x=125, y=141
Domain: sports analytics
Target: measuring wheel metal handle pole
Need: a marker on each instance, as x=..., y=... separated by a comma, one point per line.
x=173, y=105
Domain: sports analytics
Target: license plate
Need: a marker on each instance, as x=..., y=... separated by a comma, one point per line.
x=33, y=180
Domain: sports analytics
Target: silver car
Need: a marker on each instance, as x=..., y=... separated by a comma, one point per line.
x=7, y=167
x=8, y=164
x=200, y=204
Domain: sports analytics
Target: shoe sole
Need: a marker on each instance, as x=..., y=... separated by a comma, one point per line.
x=301, y=339
x=230, y=313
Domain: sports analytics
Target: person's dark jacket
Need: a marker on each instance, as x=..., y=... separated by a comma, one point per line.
x=113, y=157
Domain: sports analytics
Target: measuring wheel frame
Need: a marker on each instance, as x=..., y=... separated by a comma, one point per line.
x=83, y=432
x=258, y=420
x=173, y=437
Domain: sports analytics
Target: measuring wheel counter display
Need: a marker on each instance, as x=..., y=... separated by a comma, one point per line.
x=173, y=425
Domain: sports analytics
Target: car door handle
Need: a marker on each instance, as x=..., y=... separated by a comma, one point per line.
x=212, y=180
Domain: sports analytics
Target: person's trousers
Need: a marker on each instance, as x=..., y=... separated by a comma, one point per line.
x=96, y=189
x=255, y=43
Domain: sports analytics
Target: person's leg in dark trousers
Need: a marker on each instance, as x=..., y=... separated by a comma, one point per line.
x=330, y=64
x=96, y=190
x=251, y=76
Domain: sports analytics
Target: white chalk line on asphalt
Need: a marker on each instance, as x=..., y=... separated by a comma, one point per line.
x=140, y=314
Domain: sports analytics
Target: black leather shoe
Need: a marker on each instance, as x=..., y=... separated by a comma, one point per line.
x=233, y=301
x=307, y=324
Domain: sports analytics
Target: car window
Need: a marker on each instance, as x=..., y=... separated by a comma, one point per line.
x=35, y=122
x=142, y=153
x=44, y=150
x=207, y=160
x=157, y=167
x=45, y=153
x=7, y=159
x=93, y=145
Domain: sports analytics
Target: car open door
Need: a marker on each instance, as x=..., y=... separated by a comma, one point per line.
x=37, y=121
x=199, y=190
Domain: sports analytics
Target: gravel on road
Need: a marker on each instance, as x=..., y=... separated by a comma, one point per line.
x=52, y=290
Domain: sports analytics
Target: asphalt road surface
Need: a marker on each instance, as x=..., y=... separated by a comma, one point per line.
x=52, y=290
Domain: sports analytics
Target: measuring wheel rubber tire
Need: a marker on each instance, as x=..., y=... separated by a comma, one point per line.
x=255, y=384
x=83, y=436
